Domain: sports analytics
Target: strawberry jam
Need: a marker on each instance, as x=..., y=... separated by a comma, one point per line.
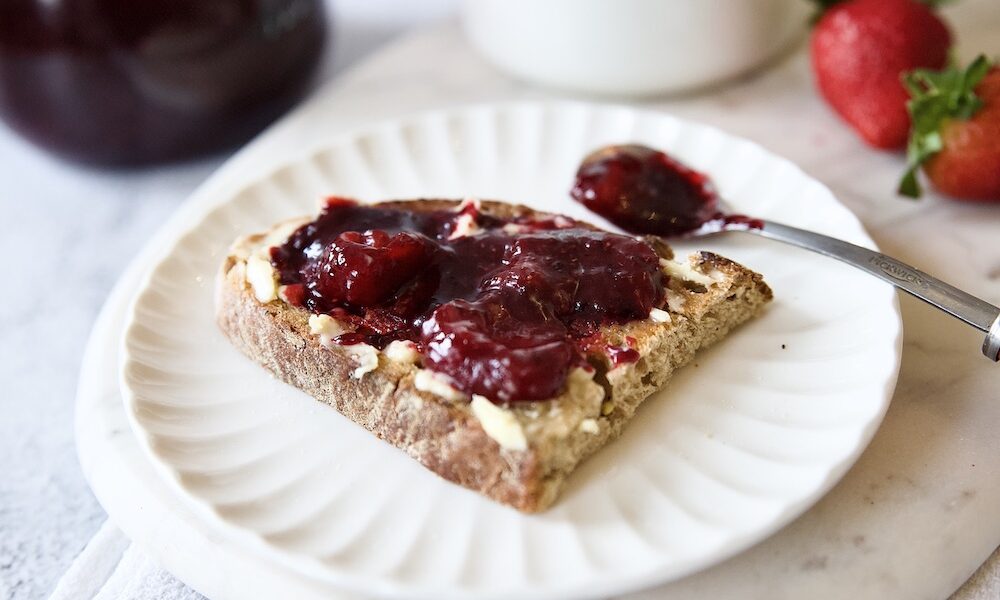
x=646, y=191
x=500, y=306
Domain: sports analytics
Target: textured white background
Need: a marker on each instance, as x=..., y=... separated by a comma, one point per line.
x=67, y=234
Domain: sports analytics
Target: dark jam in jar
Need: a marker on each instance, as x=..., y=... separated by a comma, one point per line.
x=503, y=307
x=646, y=191
x=131, y=82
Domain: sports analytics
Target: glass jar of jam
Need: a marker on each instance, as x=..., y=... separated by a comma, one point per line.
x=134, y=82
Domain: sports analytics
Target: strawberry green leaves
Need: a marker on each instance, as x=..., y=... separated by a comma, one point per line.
x=937, y=96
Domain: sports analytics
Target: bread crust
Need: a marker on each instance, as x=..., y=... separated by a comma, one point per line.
x=446, y=436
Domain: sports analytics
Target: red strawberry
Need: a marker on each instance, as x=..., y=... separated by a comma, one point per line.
x=861, y=48
x=956, y=131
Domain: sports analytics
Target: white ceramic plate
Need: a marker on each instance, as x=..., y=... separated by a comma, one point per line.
x=739, y=444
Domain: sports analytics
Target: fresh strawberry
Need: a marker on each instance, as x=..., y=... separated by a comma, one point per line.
x=956, y=131
x=860, y=50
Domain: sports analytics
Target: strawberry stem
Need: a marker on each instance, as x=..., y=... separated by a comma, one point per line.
x=935, y=97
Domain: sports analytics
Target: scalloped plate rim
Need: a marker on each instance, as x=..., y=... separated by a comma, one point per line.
x=590, y=589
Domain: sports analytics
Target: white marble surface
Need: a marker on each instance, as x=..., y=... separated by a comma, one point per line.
x=912, y=520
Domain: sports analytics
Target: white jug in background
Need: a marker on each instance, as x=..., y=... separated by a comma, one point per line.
x=632, y=47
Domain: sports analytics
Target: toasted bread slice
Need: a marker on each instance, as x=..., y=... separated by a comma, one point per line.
x=519, y=455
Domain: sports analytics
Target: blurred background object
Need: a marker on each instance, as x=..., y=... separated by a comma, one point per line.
x=129, y=82
x=632, y=47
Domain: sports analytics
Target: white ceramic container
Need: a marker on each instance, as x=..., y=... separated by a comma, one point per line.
x=632, y=47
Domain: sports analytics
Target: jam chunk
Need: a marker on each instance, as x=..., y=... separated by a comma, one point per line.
x=365, y=269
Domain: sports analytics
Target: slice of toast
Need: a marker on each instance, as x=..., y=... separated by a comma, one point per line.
x=520, y=454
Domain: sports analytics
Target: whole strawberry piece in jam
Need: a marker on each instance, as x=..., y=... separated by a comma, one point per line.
x=956, y=131
x=861, y=49
x=485, y=350
x=366, y=269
